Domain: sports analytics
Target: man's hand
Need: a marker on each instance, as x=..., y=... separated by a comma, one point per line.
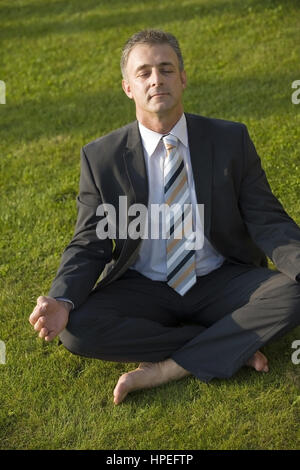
x=50, y=317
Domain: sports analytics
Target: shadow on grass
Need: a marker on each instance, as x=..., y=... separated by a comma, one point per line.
x=93, y=115
x=143, y=14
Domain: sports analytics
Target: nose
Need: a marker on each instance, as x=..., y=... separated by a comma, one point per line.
x=156, y=78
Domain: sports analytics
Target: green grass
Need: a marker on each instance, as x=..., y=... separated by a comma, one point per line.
x=60, y=62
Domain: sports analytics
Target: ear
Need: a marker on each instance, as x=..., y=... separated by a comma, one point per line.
x=183, y=79
x=127, y=89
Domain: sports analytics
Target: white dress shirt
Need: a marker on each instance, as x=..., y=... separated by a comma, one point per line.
x=152, y=260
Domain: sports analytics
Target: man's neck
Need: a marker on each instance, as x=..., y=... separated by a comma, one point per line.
x=160, y=124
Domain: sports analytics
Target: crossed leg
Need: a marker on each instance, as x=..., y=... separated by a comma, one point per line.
x=139, y=320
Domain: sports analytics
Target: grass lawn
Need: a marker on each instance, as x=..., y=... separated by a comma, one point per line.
x=60, y=63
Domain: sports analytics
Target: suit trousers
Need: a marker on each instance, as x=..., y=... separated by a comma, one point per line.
x=211, y=331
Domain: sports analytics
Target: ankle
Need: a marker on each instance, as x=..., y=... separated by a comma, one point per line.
x=171, y=370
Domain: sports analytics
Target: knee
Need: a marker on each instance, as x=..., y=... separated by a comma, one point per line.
x=291, y=289
x=289, y=295
x=281, y=295
x=73, y=343
x=76, y=336
x=83, y=339
x=281, y=286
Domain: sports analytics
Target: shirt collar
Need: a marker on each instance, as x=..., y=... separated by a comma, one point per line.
x=150, y=139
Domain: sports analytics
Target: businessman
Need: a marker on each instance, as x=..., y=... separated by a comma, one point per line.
x=198, y=299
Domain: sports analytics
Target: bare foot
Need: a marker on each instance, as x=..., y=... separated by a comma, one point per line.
x=259, y=362
x=148, y=375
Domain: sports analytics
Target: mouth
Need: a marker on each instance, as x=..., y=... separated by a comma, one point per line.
x=158, y=94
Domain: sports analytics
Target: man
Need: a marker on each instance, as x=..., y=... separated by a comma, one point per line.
x=202, y=310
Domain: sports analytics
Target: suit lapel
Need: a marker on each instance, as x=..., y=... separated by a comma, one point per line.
x=135, y=167
x=202, y=164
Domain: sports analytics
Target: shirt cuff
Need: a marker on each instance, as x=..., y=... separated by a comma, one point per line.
x=65, y=300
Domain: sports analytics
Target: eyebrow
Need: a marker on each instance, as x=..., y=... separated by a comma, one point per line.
x=161, y=64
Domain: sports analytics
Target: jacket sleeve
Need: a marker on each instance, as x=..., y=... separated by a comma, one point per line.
x=271, y=228
x=85, y=257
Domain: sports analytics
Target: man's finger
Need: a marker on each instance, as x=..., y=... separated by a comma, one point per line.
x=44, y=332
x=40, y=323
x=33, y=317
x=42, y=299
x=50, y=336
x=37, y=312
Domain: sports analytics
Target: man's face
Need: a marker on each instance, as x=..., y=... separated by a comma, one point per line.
x=154, y=81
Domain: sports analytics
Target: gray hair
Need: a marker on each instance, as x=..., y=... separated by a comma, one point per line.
x=150, y=36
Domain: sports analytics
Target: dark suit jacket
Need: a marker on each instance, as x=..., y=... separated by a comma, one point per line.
x=242, y=218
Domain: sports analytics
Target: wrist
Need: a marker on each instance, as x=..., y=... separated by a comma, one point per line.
x=66, y=305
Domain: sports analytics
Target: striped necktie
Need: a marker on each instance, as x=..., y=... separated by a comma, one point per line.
x=181, y=274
